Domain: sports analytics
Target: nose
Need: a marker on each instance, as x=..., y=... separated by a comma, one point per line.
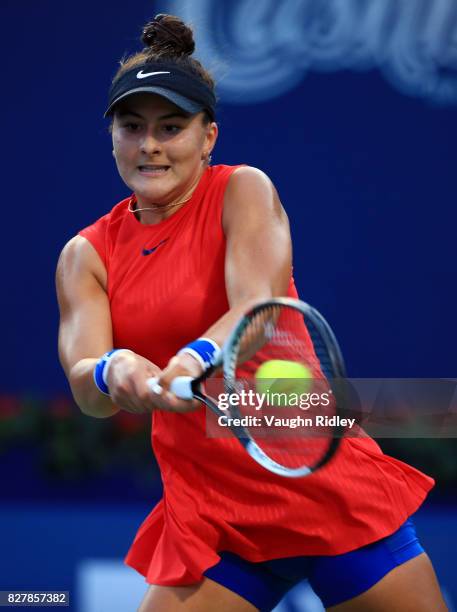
x=149, y=145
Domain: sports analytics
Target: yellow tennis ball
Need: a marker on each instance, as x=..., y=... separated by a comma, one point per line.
x=283, y=376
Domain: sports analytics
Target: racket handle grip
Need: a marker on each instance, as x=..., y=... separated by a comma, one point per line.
x=181, y=386
x=153, y=384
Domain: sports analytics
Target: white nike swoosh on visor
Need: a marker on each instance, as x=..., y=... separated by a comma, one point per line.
x=143, y=75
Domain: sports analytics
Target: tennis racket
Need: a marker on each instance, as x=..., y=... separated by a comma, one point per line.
x=290, y=436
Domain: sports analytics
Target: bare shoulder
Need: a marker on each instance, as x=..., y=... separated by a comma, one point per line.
x=248, y=177
x=250, y=192
x=78, y=260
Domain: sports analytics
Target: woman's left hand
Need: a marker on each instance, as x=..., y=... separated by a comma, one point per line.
x=179, y=365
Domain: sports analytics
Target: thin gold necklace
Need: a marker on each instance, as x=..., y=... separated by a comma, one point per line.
x=164, y=207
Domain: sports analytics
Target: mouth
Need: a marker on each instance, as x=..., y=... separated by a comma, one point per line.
x=153, y=169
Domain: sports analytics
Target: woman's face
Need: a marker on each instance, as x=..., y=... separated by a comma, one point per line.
x=160, y=151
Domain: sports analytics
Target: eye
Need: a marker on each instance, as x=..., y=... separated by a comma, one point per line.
x=131, y=126
x=171, y=128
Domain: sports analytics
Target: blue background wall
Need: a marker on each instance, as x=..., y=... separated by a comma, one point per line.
x=366, y=173
x=360, y=142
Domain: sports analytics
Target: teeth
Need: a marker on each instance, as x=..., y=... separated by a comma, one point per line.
x=154, y=168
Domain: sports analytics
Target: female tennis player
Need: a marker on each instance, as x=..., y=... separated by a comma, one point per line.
x=152, y=289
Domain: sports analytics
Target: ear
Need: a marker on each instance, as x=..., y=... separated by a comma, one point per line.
x=211, y=135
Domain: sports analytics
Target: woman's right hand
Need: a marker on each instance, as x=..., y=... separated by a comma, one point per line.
x=126, y=380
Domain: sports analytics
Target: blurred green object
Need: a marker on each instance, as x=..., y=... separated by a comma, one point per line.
x=71, y=445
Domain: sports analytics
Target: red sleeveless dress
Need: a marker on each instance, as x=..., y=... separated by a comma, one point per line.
x=166, y=287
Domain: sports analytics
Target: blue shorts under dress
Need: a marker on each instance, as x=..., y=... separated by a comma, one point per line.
x=334, y=579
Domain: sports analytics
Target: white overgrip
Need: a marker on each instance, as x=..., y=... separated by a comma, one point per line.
x=181, y=386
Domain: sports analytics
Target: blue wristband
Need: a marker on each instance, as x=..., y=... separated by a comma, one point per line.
x=100, y=370
x=205, y=351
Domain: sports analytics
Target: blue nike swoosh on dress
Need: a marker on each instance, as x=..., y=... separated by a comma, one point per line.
x=149, y=251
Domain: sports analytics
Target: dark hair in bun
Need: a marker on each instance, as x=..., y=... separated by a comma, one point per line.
x=167, y=38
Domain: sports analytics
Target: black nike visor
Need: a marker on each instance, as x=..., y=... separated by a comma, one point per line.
x=187, y=91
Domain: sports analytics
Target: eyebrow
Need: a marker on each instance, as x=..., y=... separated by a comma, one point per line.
x=182, y=115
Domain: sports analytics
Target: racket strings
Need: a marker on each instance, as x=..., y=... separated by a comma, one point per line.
x=281, y=419
x=256, y=333
x=275, y=332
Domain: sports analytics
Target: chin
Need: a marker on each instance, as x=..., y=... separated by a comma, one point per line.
x=154, y=186
x=154, y=196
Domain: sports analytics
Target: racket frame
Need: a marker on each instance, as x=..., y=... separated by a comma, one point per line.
x=228, y=361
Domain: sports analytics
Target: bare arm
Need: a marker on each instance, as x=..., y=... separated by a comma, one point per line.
x=257, y=264
x=85, y=333
x=258, y=261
